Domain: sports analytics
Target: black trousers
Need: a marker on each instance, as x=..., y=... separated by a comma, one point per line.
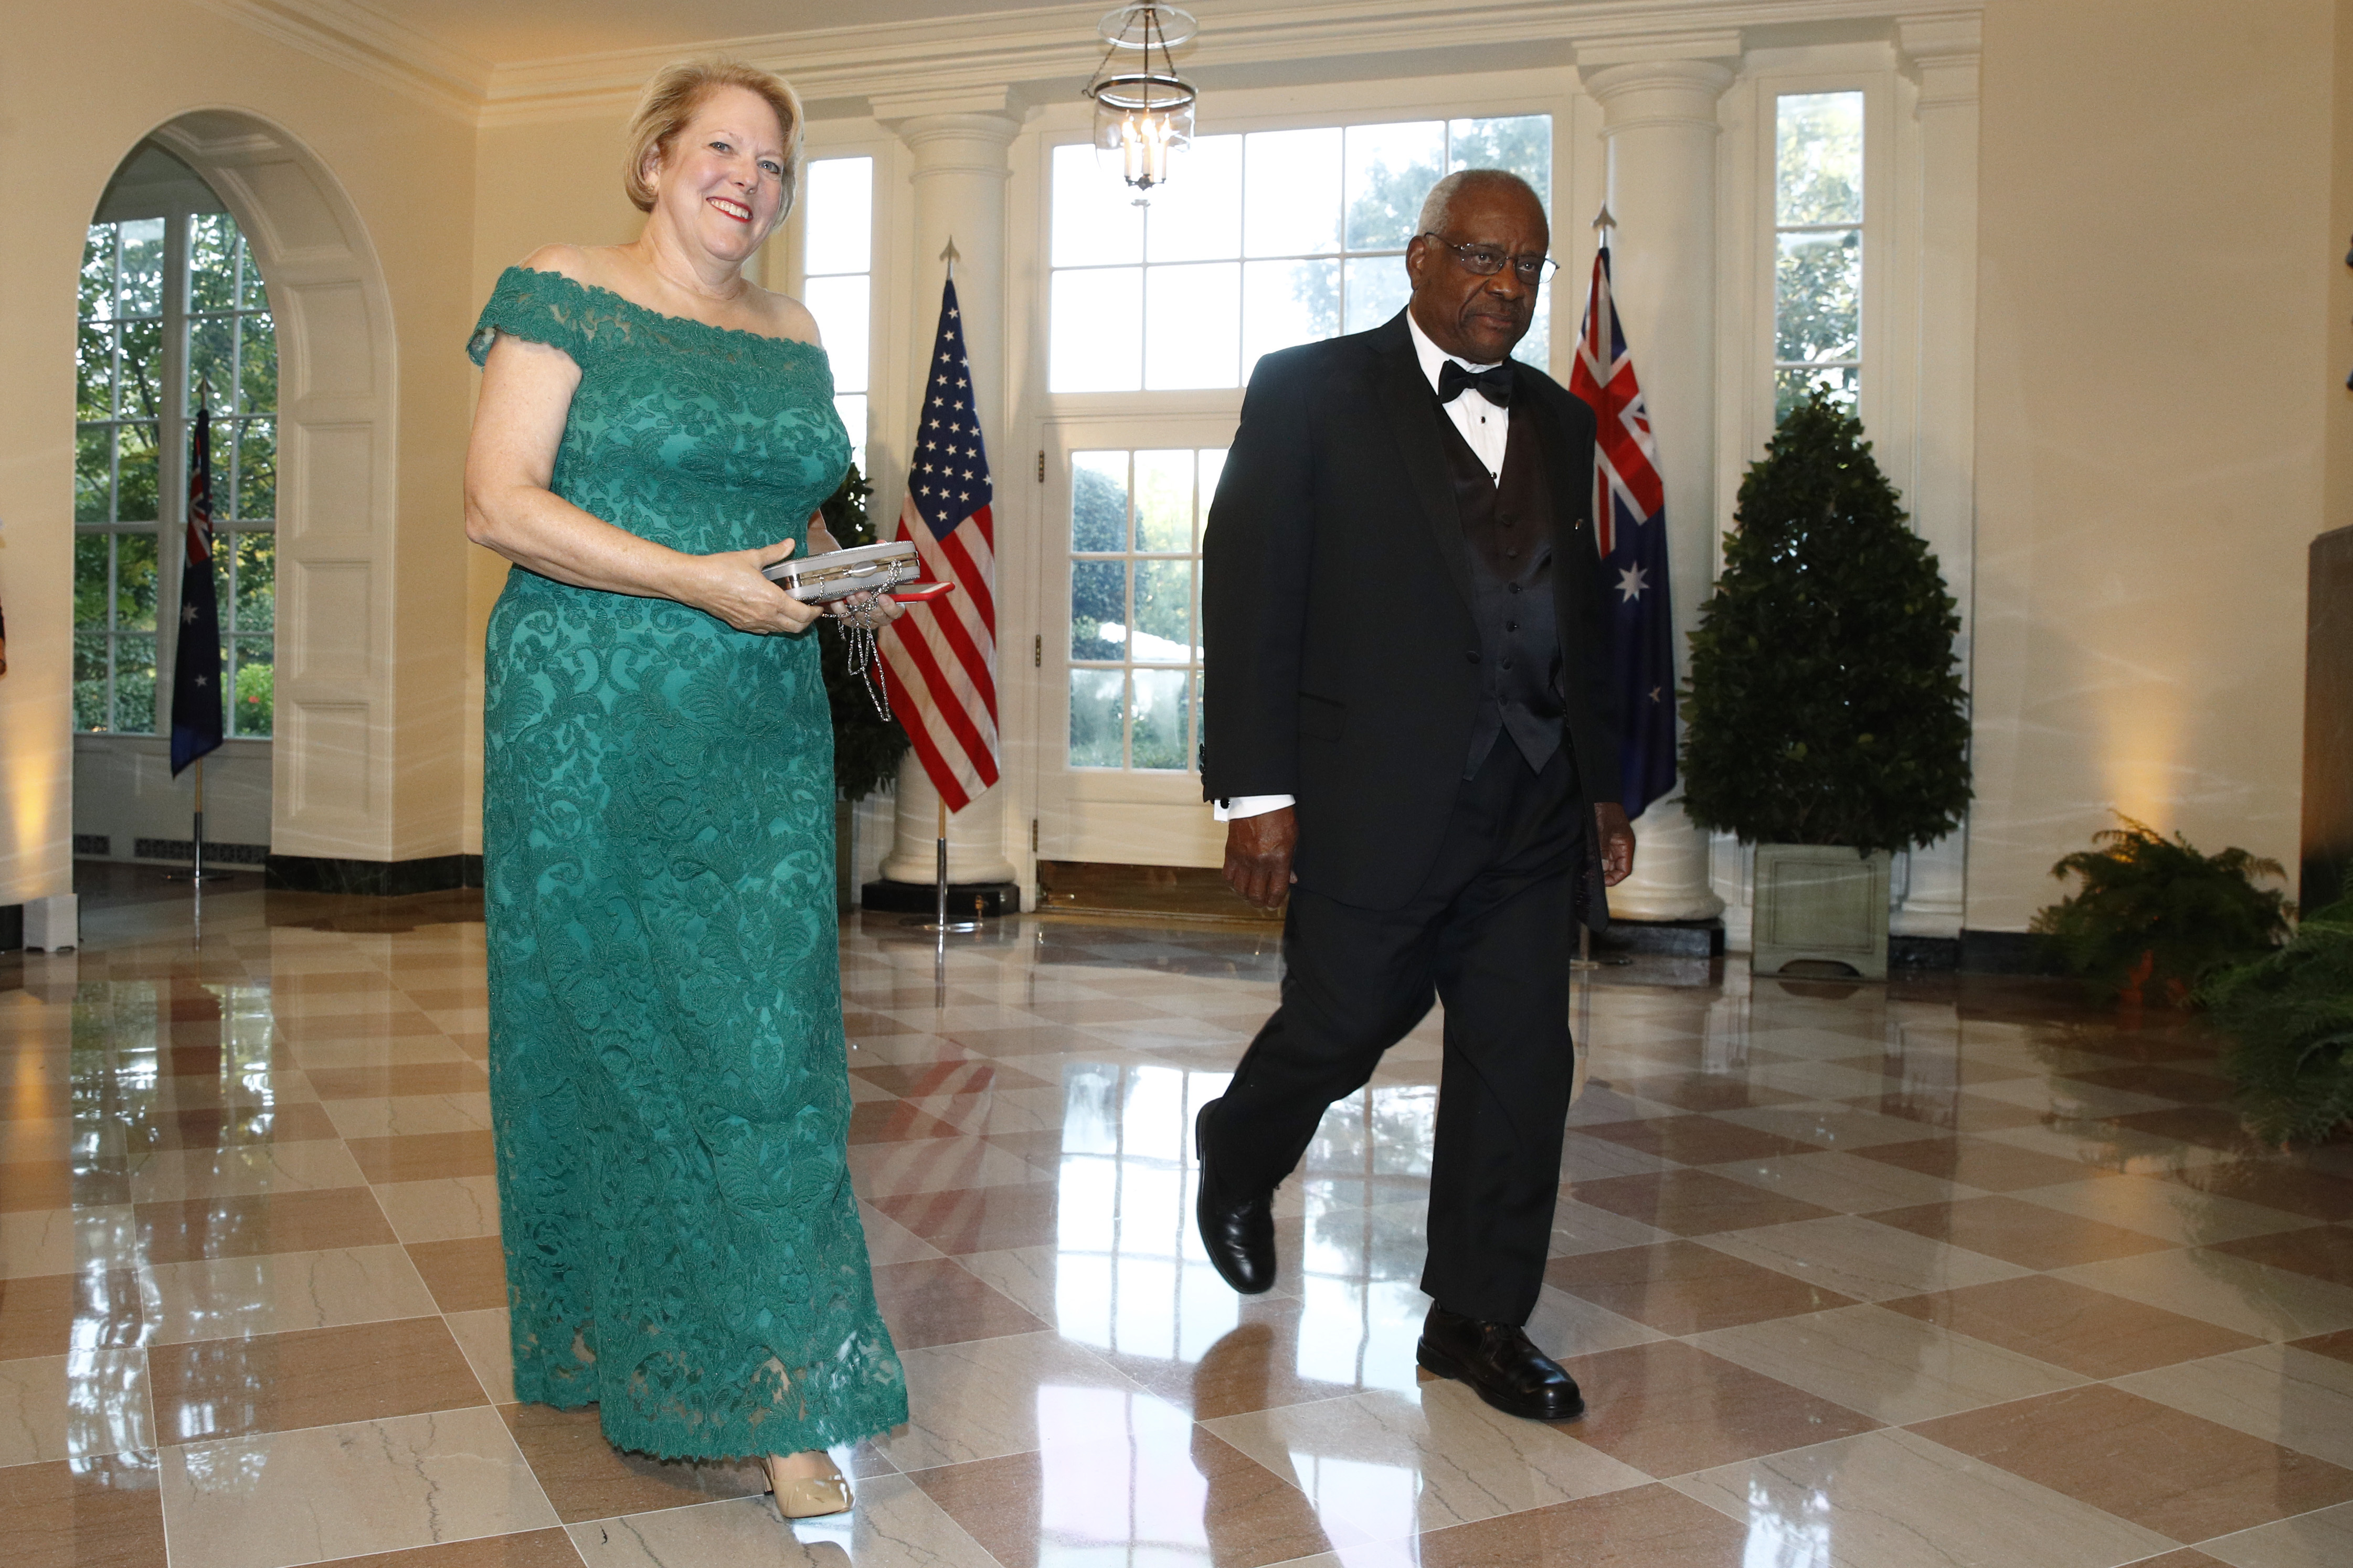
x=1489, y=933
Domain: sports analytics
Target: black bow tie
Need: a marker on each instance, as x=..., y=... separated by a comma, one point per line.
x=1494, y=383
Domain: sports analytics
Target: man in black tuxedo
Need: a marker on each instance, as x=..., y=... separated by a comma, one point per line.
x=1408, y=726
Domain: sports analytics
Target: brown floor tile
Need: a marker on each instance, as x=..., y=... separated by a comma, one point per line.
x=330, y=983
x=2071, y=1325
x=314, y=1377
x=246, y=1227
x=1981, y=1163
x=2314, y=1195
x=1935, y=1072
x=1691, y=1203
x=1641, y=1527
x=894, y=1121
x=933, y=1301
x=1701, y=1090
x=968, y=1075
x=423, y=1156
x=2323, y=1251
x=587, y=1477
x=231, y=1127
x=1668, y=1408
x=49, y=1314
x=410, y=1078
x=1682, y=1288
x=2188, y=1557
x=2338, y=1344
x=533, y=1549
x=1695, y=1140
x=1042, y=1149
x=2208, y=1126
x=331, y=1028
x=441, y=999
x=1033, y=1039
x=83, y=1513
x=2158, y=1467
x=1955, y=1112
x=2018, y=1232
x=1101, y=1010
x=57, y=1184
x=979, y=1219
x=464, y=1275
x=2166, y=1083
x=2145, y=1046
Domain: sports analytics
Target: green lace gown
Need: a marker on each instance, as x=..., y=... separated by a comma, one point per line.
x=667, y=1079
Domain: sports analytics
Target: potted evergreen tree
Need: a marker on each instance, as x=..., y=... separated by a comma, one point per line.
x=866, y=746
x=1825, y=720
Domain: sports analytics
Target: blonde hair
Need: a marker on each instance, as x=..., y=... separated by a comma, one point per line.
x=671, y=100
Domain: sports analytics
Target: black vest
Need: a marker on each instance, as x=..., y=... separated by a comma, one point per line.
x=1508, y=527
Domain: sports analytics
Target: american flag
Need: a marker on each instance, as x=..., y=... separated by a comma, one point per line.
x=939, y=663
x=1631, y=531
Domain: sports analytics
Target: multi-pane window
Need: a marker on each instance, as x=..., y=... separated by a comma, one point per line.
x=1258, y=242
x=173, y=317
x=1818, y=236
x=1135, y=644
x=838, y=265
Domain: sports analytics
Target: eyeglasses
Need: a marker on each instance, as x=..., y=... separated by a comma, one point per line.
x=1486, y=260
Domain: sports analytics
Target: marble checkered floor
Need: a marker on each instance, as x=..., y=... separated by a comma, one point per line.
x=1851, y=1276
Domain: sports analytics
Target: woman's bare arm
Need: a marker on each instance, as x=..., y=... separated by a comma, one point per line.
x=527, y=390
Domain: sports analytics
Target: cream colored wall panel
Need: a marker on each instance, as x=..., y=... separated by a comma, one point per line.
x=335, y=313
x=333, y=613
x=296, y=213
x=334, y=467
x=332, y=762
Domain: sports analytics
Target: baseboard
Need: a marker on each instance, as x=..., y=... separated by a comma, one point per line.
x=966, y=899
x=180, y=851
x=2003, y=952
x=1672, y=939
x=12, y=927
x=1923, y=954
x=374, y=879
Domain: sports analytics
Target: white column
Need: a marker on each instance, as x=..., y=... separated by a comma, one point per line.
x=1658, y=123
x=1944, y=53
x=960, y=149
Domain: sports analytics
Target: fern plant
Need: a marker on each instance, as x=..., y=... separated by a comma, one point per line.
x=866, y=746
x=2289, y=1019
x=2154, y=913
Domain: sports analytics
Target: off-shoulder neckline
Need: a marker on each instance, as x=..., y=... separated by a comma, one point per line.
x=665, y=317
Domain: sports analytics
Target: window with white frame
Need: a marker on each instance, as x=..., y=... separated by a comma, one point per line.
x=160, y=296
x=1818, y=218
x=837, y=282
x=1258, y=242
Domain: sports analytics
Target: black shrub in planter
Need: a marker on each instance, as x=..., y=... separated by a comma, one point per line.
x=866, y=746
x=1824, y=704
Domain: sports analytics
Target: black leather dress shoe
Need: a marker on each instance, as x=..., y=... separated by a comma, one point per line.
x=1240, y=1236
x=1500, y=1364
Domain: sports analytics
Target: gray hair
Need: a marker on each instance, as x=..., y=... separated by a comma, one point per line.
x=1439, y=203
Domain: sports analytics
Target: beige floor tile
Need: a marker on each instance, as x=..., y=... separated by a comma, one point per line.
x=483, y=1335
x=1439, y=1452
x=1829, y=1124
x=981, y=1398
x=888, y=1241
x=66, y=1407
x=2250, y=1298
x=1579, y=1227
x=1858, y=1257
x=1894, y=1368
x=63, y=1241
x=893, y=1525
x=2323, y=1539
x=250, y=1169
x=2075, y=1097
x=935, y=1165
x=2278, y=1393
x=409, y=1481
x=1893, y=1499
x=1837, y=1179
x=1589, y=1158
x=271, y=1293
x=441, y=1210
x=1564, y=1325
x=2171, y=1210
x=397, y=1050
x=396, y=1115
x=2108, y=1147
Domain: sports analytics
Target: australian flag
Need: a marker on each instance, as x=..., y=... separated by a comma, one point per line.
x=1631, y=530
x=196, y=708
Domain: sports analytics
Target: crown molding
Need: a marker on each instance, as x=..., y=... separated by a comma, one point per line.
x=372, y=45
x=846, y=69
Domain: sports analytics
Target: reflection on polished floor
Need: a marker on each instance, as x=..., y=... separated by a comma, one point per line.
x=1851, y=1276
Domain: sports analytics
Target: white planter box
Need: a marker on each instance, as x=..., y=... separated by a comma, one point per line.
x=1822, y=903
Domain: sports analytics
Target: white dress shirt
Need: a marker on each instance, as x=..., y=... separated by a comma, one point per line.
x=1486, y=427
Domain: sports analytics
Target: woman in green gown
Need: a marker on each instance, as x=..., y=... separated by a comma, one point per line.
x=668, y=1079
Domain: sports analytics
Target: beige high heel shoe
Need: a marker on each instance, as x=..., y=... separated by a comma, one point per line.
x=808, y=1497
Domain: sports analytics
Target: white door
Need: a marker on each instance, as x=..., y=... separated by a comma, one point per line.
x=1120, y=657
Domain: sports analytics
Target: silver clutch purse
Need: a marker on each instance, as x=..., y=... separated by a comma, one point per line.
x=838, y=574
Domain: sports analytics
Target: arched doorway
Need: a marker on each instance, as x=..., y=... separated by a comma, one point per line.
x=317, y=788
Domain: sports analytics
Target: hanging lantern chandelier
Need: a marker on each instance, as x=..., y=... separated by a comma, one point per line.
x=1144, y=111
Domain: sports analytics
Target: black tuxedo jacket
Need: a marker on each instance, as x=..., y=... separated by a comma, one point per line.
x=1340, y=662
